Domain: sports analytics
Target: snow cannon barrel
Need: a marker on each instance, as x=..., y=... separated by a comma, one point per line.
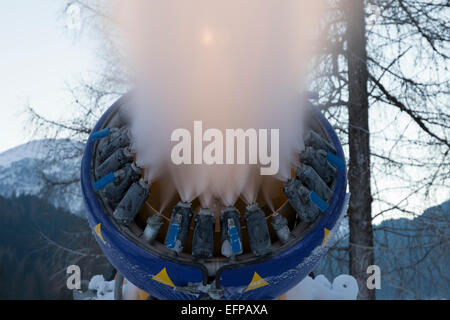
x=187, y=252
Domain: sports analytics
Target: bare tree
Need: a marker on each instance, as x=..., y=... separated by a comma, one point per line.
x=360, y=207
x=397, y=94
x=89, y=101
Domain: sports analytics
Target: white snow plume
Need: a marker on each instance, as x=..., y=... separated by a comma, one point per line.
x=231, y=64
x=344, y=287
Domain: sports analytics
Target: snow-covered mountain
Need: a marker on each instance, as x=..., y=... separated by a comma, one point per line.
x=46, y=168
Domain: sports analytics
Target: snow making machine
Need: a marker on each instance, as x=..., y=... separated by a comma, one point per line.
x=243, y=252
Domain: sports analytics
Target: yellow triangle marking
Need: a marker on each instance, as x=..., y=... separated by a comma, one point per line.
x=163, y=277
x=326, y=236
x=256, y=283
x=98, y=231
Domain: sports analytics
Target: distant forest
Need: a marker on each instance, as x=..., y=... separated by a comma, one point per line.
x=413, y=254
x=37, y=244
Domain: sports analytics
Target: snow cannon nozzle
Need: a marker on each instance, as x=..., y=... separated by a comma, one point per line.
x=186, y=205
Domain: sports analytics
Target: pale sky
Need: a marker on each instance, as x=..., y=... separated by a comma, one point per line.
x=39, y=56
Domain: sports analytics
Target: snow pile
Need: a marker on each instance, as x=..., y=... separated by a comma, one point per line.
x=105, y=289
x=344, y=287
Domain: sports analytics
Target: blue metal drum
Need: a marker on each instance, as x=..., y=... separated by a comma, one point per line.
x=166, y=277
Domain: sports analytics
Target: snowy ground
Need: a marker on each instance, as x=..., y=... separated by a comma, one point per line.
x=344, y=287
x=105, y=289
